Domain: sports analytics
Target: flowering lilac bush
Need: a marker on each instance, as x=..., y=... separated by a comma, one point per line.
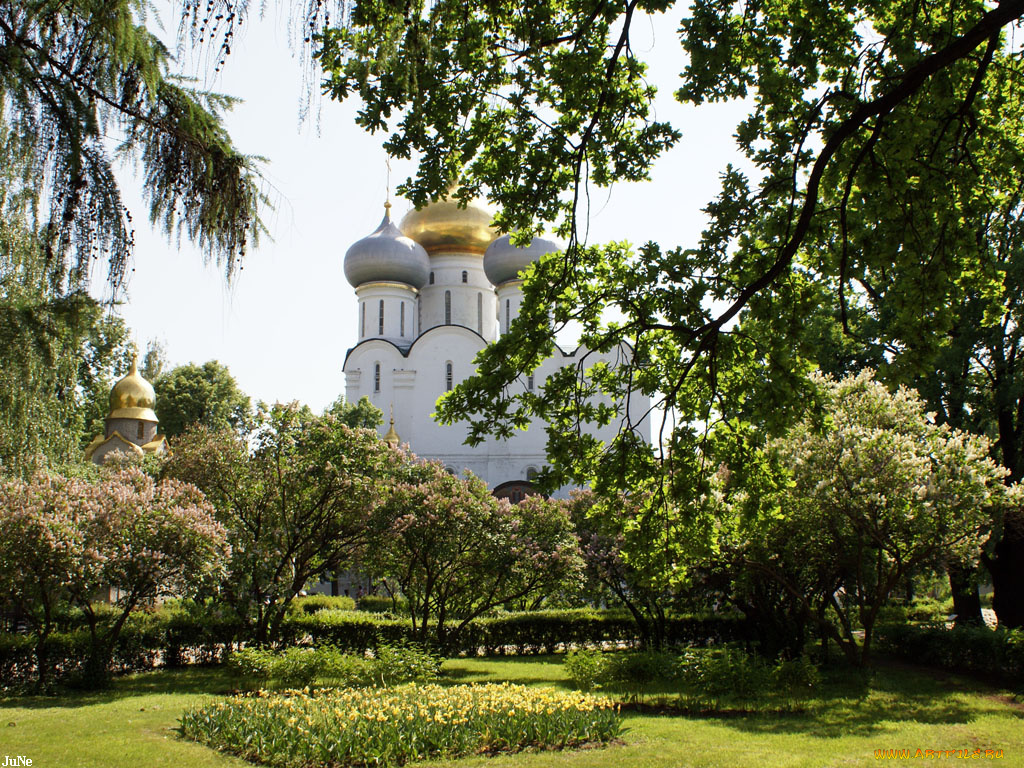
x=68, y=541
x=455, y=552
x=863, y=490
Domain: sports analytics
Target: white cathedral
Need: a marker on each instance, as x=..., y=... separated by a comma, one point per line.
x=433, y=292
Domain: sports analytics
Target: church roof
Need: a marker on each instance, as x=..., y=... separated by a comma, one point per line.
x=386, y=255
x=504, y=261
x=132, y=397
x=444, y=226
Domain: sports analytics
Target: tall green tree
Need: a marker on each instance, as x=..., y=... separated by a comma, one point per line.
x=72, y=75
x=362, y=414
x=883, y=140
x=296, y=493
x=861, y=492
x=203, y=395
x=59, y=352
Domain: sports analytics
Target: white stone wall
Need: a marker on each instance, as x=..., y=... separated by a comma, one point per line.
x=510, y=297
x=472, y=302
x=412, y=383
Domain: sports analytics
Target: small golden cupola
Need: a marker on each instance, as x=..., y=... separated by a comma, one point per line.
x=391, y=437
x=131, y=424
x=133, y=397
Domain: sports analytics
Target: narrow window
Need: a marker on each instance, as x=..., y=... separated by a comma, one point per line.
x=376, y=377
x=431, y=278
x=447, y=307
x=508, y=320
x=465, y=276
x=448, y=376
x=529, y=382
x=401, y=320
x=140, y=434
x=362, y=326
x=380, y=318
x=480, y=314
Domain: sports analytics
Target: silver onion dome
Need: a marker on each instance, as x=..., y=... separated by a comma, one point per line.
x=503, y=261
x=387, y=255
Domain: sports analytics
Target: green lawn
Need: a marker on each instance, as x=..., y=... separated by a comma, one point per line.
x=133, y=725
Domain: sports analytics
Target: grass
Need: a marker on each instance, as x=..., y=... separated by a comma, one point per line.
x=134, y=724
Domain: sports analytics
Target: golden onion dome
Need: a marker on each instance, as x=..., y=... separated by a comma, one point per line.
x=132, y=397
x=444, y=226
x=391, y=437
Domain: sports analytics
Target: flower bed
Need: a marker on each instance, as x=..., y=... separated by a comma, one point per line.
x=389, y=727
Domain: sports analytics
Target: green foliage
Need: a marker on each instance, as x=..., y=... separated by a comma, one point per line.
x=315, y=603
x=861, y=492
x=397, y=663
x=702, y=676
x=382, y=604
x=626, y=554
x=528, y=632
x=997, y=654
x=837, y=241
x=76, y=74
x=392, y=727
x=205, y=395
x=587, y=668
x=58, y=351
x=296, y=493
x=362, y=414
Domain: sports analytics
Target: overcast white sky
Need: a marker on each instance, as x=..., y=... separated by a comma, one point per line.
x=284, y=325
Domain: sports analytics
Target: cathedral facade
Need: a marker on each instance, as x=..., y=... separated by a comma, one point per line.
x=432, y=293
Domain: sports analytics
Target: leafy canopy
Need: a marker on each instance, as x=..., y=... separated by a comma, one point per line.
x=533, y=104
x=296, y=493
x=861, y=492
x=73, y=74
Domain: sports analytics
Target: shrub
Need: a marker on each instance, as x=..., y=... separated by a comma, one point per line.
x=394, y=726
x=298, y=667
x=253, y=665
x=795, y=676
x=404, y=663
x=311, y=604
x=727, y=672
x=382, y=604
x=588, y=669
x=733, y=674
x=995, y=653
x=632, y=671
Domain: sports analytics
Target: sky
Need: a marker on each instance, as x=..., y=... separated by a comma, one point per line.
x=284, y=324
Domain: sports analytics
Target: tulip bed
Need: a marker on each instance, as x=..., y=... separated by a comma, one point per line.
x=391, y=726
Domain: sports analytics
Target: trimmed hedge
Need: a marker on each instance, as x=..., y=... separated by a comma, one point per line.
x=176, y=638
x=529, y=632
x=995, y=653
x=317, y=603
x=382, y=604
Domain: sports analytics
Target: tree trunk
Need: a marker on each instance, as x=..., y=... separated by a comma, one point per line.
x=1007, y=570
x=966, y=601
